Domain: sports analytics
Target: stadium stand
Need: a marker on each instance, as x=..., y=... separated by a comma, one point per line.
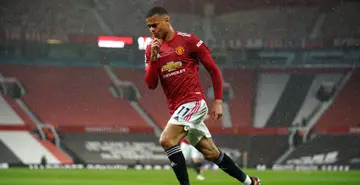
x=268, y=91
x=256, y=147
x=144, y=148
x=242, y=81
x=153, y=102
x=7, y=156
x=55, y=19
x=124, y=17
x=275, y=104
x=311, y=102
x=26, y=147
x=67, y=96
x=77, y=17
x=343, y=112
x=327, y=149
x=272, y=23
x=61, y=20
x=105, y=148
x=19, y=135
x=339, y=21
x=260, y=151
x=7, y=115
x=12, y=114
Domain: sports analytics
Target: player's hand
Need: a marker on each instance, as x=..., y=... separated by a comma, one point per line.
x=216, y=111
x=155, y=48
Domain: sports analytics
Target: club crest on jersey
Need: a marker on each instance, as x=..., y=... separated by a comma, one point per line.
x=180, y=50
x=171, y=66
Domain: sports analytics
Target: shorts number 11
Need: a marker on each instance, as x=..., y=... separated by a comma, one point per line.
x=186, y=111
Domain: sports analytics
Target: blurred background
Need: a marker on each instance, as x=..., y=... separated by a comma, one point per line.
x=73, y=94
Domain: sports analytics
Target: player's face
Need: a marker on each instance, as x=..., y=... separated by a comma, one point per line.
x=158, y=25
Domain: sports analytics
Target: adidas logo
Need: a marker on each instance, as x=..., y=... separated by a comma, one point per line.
x=173, y=164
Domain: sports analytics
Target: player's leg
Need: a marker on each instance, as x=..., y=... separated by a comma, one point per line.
x=197, y=160
x=205, y=166
x=211, y=153
x=214, y=167
x=197, y=164
x=182, y=123
x=185, y=149
x=169, y=140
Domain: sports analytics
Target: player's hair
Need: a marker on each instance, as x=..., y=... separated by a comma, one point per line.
x=156, y=10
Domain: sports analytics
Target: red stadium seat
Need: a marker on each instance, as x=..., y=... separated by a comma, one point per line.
x=19, y=112
x=242, y=83
x=344, y=111
x=153, y=102
x=73, y=96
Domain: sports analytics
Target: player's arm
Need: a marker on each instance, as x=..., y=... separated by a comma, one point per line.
x=215, y=74
x=203, y=53
x=151, y=70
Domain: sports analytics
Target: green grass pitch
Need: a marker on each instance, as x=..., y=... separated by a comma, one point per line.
x=19, y=176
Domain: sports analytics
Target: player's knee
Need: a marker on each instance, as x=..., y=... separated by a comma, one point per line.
x=211, y=155
x=167, y=143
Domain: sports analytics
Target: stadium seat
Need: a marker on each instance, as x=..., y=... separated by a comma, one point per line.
x=271, y=23
x=285, y=97
x=11, y=114
x=242, y=82
x=327, y=149
x=153, y=102
x=339, y=22
x=344, y=111
x=73, y=96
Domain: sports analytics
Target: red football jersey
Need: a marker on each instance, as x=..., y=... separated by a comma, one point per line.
x=177, y=68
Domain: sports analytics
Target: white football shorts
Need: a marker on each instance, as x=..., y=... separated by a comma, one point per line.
x=192, y=115
x=190, y=152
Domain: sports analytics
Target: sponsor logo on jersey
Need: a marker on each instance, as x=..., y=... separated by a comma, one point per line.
x=171, y=66
x=180, y=50
x=174, y=73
